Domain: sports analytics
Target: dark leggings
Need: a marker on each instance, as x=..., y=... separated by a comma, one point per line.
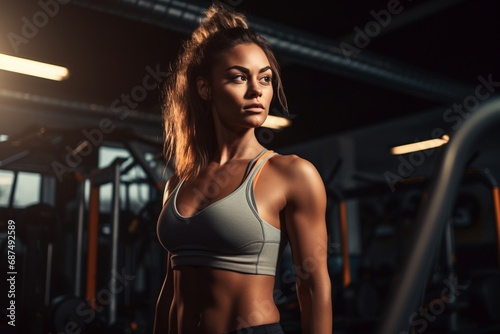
x=261, y=329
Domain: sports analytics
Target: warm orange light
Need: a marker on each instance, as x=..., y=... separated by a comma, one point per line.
x=420, y=146
x=275, y=122
x=33, y=68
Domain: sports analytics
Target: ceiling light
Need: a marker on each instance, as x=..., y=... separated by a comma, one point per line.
x=275, y=122
x=33, y=68
x=5, y=180
x=420, y=146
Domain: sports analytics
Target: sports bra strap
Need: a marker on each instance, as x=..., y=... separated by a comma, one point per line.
x=269, y=153
x=254, y=162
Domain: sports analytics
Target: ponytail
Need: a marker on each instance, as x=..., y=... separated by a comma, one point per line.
x=218, y=17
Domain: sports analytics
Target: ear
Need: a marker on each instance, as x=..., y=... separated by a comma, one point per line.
x=203, y=88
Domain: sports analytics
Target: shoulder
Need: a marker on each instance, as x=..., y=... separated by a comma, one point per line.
x=294, y=167
x=300, y=174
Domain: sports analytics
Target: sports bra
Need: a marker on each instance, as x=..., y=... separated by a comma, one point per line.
x=228, y=234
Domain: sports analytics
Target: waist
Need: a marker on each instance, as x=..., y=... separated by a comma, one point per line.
x=222, y=300
x=273, y=328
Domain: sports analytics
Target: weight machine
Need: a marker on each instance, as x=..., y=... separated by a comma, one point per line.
x=85, y=270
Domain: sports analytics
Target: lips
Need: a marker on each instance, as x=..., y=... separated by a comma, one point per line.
x=254, y=107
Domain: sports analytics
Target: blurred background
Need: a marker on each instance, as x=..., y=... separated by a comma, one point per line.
x=82, y=171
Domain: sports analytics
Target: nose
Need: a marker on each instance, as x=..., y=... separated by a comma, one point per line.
x=254, y=89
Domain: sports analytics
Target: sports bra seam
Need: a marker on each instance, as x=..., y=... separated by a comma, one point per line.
x=244, y=245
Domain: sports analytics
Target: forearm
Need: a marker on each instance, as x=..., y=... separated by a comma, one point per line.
x=161, y=319
x=316, y=310
x=163, y=311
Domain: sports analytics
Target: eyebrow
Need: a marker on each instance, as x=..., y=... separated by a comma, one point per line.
x=246, y=70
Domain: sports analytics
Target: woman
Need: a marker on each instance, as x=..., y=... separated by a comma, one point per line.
x=232, y=205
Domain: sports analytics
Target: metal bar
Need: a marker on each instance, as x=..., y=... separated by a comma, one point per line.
x=411, y=15
x=138, y=153
x=496, y=203
x=14, y=158
x=88, y=108
x=93, y=236
x=13, y=190
x=449, y=256
x=113, y=303
x=79, y=238
x=107, y=174
x=346, y=266
x=48, y=273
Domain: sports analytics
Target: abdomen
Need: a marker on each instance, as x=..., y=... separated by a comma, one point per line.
x=210, y=300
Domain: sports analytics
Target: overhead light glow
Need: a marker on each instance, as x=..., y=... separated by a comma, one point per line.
x=5, y=180
x=420, y=146
x=275, y=122
x=33, y=68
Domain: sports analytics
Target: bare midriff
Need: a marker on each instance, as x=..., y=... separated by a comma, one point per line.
x=209, y=300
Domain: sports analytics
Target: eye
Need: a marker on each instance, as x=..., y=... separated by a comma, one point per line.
x=238, y=78
x=267, y=80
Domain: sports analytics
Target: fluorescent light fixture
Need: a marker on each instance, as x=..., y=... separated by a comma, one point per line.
x=3, y=137
x=275, y=122
x=33, y=68
x=420, y=146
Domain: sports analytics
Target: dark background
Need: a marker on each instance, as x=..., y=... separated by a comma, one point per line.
x=107, y=54
x=422, y=60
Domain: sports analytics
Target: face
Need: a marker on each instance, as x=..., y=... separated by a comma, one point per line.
x=241, y=88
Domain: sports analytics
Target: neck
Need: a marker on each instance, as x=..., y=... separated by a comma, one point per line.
x=236, y=151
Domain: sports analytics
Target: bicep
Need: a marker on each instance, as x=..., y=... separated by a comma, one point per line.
x=305, y=219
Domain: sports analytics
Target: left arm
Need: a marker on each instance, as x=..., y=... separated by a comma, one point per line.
x=305, y=225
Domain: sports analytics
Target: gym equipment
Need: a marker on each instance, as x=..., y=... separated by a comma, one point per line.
x=67, y=313
x=98, y=178
x=432, y=219
x=387, y=224
x=39, y=229
x=67, y=264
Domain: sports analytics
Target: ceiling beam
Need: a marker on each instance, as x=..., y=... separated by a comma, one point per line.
x=298, y=46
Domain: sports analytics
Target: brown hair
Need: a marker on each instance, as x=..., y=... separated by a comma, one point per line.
x=189, y=130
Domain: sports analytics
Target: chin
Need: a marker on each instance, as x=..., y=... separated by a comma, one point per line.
x=256, y=122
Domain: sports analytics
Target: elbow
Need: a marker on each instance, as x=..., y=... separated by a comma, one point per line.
x=318, y=293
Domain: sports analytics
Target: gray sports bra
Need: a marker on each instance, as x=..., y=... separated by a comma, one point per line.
x=228, y=234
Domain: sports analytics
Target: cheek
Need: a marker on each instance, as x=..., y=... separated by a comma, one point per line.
x=226, y=99
x=230, y=95
x=269, y=95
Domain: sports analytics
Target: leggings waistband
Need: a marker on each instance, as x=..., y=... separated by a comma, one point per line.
x=261, y=329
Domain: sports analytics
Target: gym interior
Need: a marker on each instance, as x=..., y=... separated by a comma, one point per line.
x=394, y=102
